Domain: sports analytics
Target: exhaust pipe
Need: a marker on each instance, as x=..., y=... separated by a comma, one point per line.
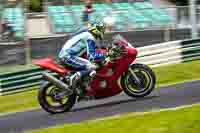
x=56, y=82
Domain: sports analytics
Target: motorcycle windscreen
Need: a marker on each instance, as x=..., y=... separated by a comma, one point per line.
x=119, y=39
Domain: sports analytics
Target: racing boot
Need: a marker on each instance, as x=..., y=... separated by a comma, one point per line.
x=89, y=93
x=92, y=75
x=74, y=79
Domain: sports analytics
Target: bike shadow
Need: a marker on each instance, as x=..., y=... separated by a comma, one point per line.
x=111, y=103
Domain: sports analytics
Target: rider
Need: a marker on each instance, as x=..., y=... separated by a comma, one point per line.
x=81, y=42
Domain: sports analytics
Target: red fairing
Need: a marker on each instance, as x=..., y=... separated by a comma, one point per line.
x=110, y=74
x=132, y=52
x=49, y=64
x=122, y=43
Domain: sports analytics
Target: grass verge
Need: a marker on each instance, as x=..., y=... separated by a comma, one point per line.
x=18, y=102
x=183, y=120
x=166, y=75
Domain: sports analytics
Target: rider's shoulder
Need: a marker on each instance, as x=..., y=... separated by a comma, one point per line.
x=89, y=35
x=84, y=34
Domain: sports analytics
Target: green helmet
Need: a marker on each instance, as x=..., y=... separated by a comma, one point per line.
x=97, y=29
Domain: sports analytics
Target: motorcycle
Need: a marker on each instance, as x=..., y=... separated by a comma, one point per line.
x=116, y=74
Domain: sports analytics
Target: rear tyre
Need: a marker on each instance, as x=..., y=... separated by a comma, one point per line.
x=146, y=77
x=48, y=101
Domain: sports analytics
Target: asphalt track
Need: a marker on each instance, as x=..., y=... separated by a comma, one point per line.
x=165, y=97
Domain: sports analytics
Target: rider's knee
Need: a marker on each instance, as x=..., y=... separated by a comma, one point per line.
x=91, y=67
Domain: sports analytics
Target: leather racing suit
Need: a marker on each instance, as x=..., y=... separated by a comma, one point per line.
x=74, y=48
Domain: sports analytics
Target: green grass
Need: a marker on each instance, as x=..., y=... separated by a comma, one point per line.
x=165, y=75
x=177, y=73
x=18, y=102
x=184, y=120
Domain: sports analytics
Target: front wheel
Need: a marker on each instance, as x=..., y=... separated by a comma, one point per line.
x=54, y=100
x=146, y=77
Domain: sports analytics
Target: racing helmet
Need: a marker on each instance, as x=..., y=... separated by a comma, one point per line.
x=97, y=29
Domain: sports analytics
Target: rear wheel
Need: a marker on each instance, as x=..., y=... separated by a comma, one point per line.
x=145, y=76
x=55, y=100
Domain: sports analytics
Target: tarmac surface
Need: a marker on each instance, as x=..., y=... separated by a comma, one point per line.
x=165, y=97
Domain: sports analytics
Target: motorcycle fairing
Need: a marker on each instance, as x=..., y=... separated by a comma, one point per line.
x=118, y=67
x=49, y=64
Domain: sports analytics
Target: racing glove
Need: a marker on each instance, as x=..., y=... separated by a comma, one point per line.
x=109, y=54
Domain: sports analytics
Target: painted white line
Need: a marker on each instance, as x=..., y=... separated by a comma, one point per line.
x=144, y=113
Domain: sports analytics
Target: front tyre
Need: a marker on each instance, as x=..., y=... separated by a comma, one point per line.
x=49, y=100
x=146, y=77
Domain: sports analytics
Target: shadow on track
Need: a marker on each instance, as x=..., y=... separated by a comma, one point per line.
x=112, y=103
x=109, y=103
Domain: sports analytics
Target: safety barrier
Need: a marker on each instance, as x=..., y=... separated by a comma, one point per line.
x=154, y=55
x=19, y=81
x=169, y=52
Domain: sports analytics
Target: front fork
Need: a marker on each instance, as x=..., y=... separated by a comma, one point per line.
x=137, y=80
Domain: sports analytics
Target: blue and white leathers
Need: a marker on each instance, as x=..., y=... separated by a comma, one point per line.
x=76, y=47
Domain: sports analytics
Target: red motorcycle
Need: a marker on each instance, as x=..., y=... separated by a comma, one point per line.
x=114, y=75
